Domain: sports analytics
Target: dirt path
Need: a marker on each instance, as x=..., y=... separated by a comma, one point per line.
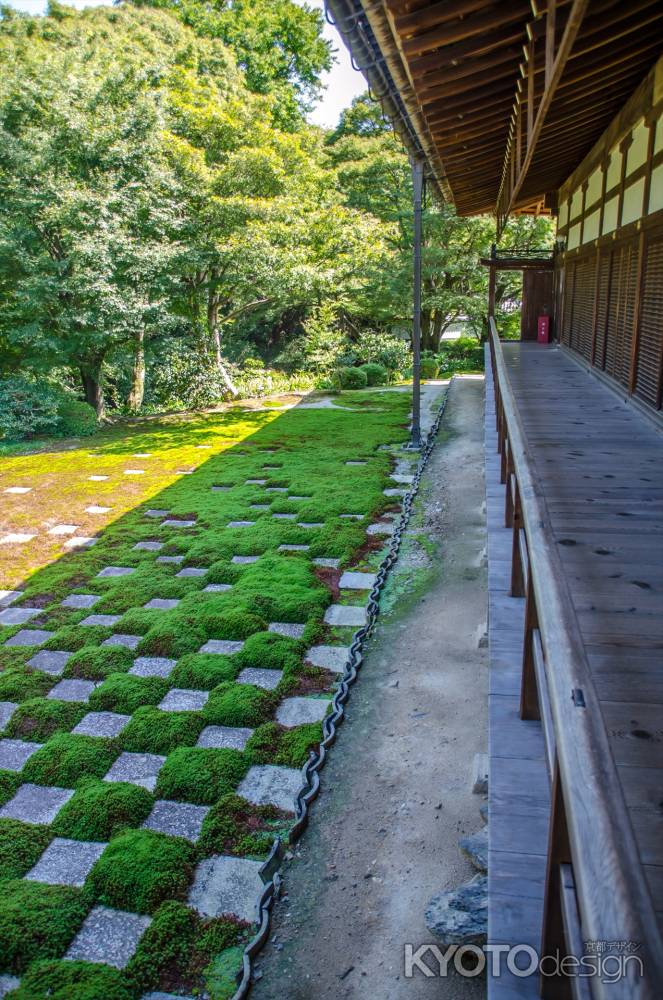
x=396, y=791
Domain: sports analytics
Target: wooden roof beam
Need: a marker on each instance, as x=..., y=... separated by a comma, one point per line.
x=473, y=48
x=478, y=24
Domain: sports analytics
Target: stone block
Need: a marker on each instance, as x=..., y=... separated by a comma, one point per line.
x=50, y=661
x=30, y=637
x=18, y=616
x=177, y=819
x=152, y=666
x=224, y=646
x=36, y=803
x=345, y=615
x=329, y=657
x=191, y=571
x=224, y=737
x=115, y=571
x=244, y=560
x=226, y=885
x=288, y=629
x=162, y=603
x=298, y=711
x=136, y=768
x=122, y=639
x=271, y=785
x=109, y=937
x=105, y=621
x=327, y=563
x=7, y=709
x=260, y=677
x=72, y=690
x=357, y=581
x=80, y=600
x=148, y=546
x=104, y=725
x=183, y=700
x=66, y=862
x=217, y=588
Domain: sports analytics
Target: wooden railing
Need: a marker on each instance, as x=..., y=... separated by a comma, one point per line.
x=595, y=885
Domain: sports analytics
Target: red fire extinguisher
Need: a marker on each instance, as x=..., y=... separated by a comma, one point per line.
x=543, y=329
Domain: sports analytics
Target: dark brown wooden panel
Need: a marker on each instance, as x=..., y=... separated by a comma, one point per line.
x=650, y=342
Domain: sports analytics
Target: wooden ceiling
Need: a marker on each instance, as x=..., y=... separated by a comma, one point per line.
x=510, y=95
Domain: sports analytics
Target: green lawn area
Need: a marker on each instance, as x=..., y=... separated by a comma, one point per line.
x=185, y=653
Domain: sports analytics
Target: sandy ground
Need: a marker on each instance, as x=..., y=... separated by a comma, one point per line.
x=396, y=790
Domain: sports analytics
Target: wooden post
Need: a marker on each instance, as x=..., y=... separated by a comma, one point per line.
x=550, y=40
x=530, y=92
x=553, y=939
x=529, y=695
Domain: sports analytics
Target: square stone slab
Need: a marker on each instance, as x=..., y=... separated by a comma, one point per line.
x=105, y=620
x=406, y=480
x=244, y=560
x=16, y=538
x=353, y=517
x=259, y=506
x=173, y=522
x=288, y=629
x=255, y=482
x=162, y=603
x=357, y=581
x=108, y=936
x=221, y=489
x=79, y=542
x=97, y=479
x=183, y=700
x=152, y=666
x=345, y=615
x=297, y=711
x=310, y=524
x=66, y=862
x=136, y=768
x=104, y=725
x=221, y=737
x=14, y=754
x=7, y=709
x=177, y=819
x=122, y=639
x=299, y=498
x=217, y=588
x=36, y=803
x=63, y=529
x=294, y=548
x=156, y=513
x=276, y=489
x=269, y=785
x=226, y=646
x=116, y=571
x=8, y=983
x=8, y=597
x=72, y=690
x=170, y=559
x=355, y=463
x=191, y=571
x=327, y=563
x=50, y=661
x=259, y=677
x=18, y=616
x=30, y=637
x=379, y=528
x=80, y=600
x=329, y=657
x=227, y=885
x=395, y=492
x=148, y=546
x=18, y=489
x=284, y=517
x=240, y=524
x=96, y=509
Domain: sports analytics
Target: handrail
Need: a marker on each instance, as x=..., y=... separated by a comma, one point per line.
x=613, y=896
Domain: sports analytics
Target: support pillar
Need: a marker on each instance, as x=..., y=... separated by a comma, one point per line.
x=418, y=186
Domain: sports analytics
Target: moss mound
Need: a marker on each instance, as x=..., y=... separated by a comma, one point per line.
x=238, y=705
x=66, y=758
x=19, y=685
x=93, y=664
x=21, y=846
x=204, y=671
x=201, y=775
x=154, y=731
x=40, y=718
x=69, y=980
x=99, y=810
x=125, y=693
x=37, y=921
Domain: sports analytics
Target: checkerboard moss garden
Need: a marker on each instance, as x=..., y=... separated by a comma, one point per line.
x=144, y=773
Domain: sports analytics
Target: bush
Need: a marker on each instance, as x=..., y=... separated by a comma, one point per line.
x=375, y=374
x=37, y=921
x=464, y=354
x=66, y=758
x=383, y=349
x=100, y=809
x=351, y=378
x=64, y=980
x=76, y=419
x=429, y=368
x=201, y=775
x=141, y=868
x=27, y=408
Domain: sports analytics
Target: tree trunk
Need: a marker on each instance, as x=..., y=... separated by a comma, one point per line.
x=94, y=393
x=213, y=304
x=135, y=400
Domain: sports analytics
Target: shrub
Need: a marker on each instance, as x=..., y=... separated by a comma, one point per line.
x=464, y=354
x=75, y=418
x=141, y=868
x=21, y=846
x=125, y=693
x=37, y=921
x=351, y=378
x=390, y=352
x=375, y=374
x=95, y=664
x=429, y=367
x=66, y=758
x=154, y=731
x=64, y=980
x=27, y=408
x=100, y=809
x=238, y=705
x=40, y=718
x=165, y=944
x=201, y=775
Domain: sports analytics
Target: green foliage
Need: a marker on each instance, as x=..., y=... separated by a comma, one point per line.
x=154, y=731
x=60, y=980
x=19, y=685
x=66, y=758
x=375, y=374
x=270, y=744
x=200, y=775
x=352, y=378
x=170, y=639
x=166, y=944
x=233, y=826
x=37, y=921
x=125, y=693
x=238, y=705
x=95, y=664
x=76, y=419
x=141, y=868
x=235, y=624
x=21, y=846
x=40, y=718
x=462, y=355
x=9, y=782
x=204, y=671
x=221, y=974
x=429, y=367
x=99, y=810
x=27, y=408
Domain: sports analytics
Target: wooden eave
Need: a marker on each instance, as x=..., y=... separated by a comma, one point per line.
x=508, y=96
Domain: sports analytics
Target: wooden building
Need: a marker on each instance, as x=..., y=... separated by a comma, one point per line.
x=556, y=106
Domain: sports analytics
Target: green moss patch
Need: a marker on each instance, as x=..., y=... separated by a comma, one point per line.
x=21, y=846
x=154, y=731
x=238, y=705
x=37, y=921
x=165, y=946
x=67, y=758
x=271, y=744
x=125, y=693
x=72, y=981
x=40, y=718
x=99, y=810
x=234, y=826
x=19, y=685
x=204, y=671
x=95, y=664
x=171, y=638
x=201, y=775
x=140, y=869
